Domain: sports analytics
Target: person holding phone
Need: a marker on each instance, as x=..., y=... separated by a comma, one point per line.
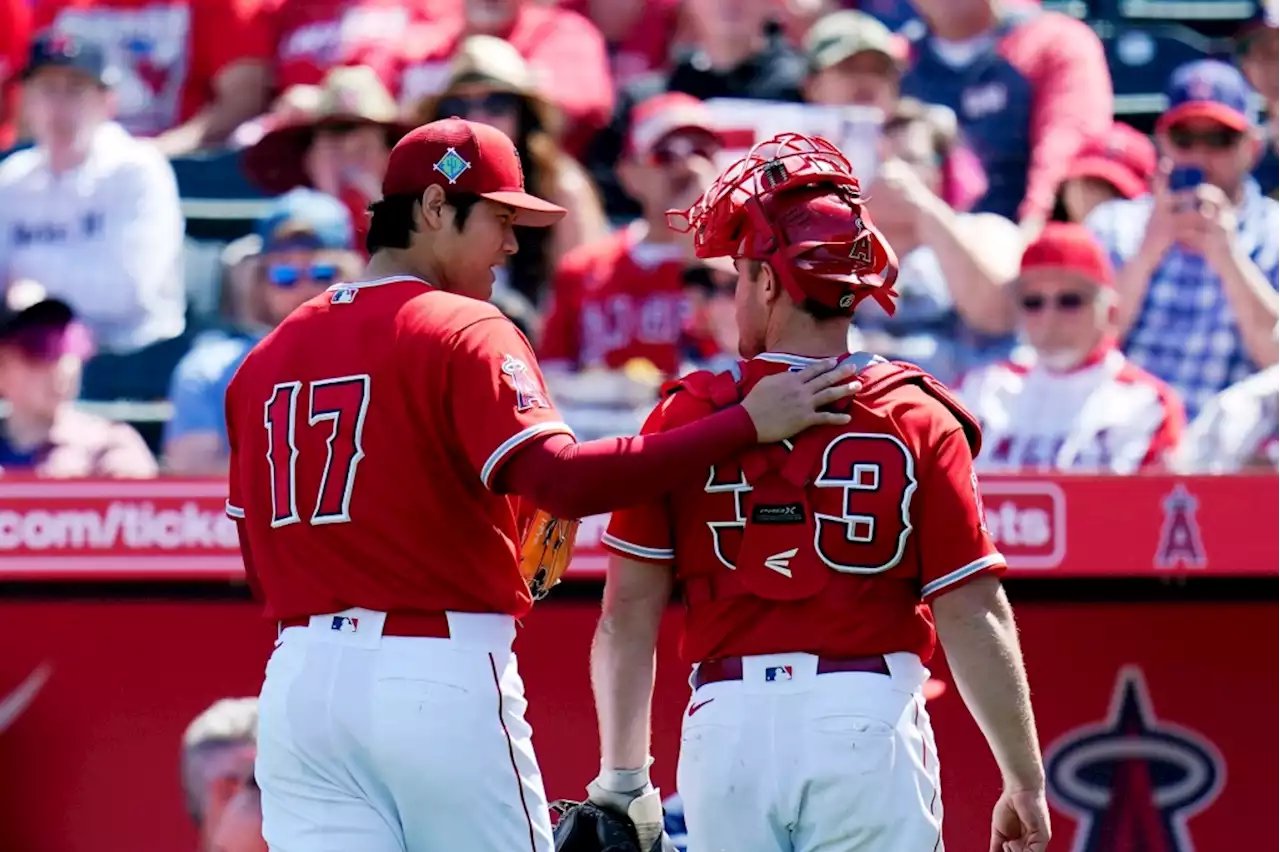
x=1198, y=259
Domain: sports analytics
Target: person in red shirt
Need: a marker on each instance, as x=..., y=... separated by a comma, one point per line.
x=813, y=571
x=564, y=49
x=379, y=438
x=623, y=298
x=312, y=37
x=15, y=34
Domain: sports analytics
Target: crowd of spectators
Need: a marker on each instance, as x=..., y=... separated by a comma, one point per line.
x=1084, y=204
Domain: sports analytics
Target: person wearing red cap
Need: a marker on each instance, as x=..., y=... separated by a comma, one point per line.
x=623, y=297
x=813, y=571
x=379, y=438
x=1117, y=164
x=1076, y=404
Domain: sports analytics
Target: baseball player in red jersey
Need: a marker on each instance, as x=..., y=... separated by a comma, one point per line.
x=814, y=570
x=380, y=437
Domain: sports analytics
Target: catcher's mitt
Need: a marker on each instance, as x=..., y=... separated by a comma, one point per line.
x=545, y=551
x=587, y=827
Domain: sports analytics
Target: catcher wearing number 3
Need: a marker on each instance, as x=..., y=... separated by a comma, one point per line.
x=817, y=573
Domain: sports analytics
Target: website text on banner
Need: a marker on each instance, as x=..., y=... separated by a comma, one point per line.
x=175, y=529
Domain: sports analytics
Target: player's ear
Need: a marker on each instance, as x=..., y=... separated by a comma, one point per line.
x=767, y=281
x=432, y=209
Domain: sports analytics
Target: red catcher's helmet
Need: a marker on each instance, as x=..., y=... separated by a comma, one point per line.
x=793, y=201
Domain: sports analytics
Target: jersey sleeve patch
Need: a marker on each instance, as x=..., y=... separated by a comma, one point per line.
x=529, y=391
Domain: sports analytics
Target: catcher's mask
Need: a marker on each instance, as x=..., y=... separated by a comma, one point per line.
x=794, y=203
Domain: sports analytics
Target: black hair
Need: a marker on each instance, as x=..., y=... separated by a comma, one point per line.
x=391, y=219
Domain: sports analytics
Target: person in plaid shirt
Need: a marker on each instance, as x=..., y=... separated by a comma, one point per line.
x=1199, y=264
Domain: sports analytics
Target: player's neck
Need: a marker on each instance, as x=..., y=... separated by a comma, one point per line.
x=28, y=430
x=813, y=339
x=390, y=263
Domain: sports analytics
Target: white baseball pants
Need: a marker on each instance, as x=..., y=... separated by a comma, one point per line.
x=788, y=760
x=369, y=743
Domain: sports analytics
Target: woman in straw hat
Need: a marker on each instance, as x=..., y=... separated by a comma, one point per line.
x=490, y=82
x=335, y=138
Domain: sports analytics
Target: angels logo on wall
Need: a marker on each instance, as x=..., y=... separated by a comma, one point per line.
x=1132, y=781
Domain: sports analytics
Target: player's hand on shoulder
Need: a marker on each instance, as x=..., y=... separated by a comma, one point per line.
x=1020, y=822
x=784, y=404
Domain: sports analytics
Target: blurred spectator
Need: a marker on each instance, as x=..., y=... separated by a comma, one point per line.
x=1118, y=164
x=954, y=311
x=1259, y=51
x=623, y=297
x=1028, y=85
x=93, y=215
x=564, y=49
x=15, y=33
x=240, y=829
x=736, y=49
x=339, y=146
x=489, y=82
x=218, y=750
x=853, y=59
x=310, y=38
x=637, y=33
x=306, y=247
x=1238, y=431
x=1199, y=260
x=42, y=349
x=190, y=70
x=1078, y=405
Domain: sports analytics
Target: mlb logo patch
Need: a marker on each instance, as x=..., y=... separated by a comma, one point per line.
x=344, y=624
x=774, y=673
x=343, y=296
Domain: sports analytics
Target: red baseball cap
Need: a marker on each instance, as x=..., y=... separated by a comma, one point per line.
x=1068, y=247
x=657, y=117
x=466, y=156
x=1123, y=157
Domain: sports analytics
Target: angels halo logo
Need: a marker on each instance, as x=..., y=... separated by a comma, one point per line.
x=1132, y=781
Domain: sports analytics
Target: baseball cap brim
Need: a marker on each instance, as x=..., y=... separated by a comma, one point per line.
x=1125, y=181
x=1207, y=110
x=531, y=211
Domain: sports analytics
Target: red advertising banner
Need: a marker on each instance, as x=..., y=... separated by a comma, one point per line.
x=1158, y=719
x=1056, y=527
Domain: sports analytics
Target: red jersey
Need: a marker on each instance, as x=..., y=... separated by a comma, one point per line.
x=615, y=300
x=15, y=34
x=311, y=37
x=832, y=543
x=167, y=74
x=365, y=431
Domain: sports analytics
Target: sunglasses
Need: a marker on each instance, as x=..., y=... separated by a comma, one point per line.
x=1216, y=139
x=289, y=275
x=678, y=148
x=494, y=103
x=1033, y=303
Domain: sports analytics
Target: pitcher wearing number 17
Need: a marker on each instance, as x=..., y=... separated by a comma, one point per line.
x=814, y=571
x=380, y=437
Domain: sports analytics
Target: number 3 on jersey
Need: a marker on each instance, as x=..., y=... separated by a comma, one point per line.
x=343, y=403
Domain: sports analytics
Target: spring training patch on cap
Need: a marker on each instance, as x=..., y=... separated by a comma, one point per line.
x=451, y=165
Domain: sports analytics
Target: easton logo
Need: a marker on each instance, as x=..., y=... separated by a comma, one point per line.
x=1132, y=781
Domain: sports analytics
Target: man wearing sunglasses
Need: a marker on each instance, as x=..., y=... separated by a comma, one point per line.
x=1076, y=404
x=1199, y=258
x=306, y=246
x=624, y=298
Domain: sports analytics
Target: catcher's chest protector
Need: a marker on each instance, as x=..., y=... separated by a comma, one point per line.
x=779, y=546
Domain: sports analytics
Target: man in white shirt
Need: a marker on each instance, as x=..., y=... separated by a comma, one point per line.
x=89, y=212
x=1076, y=404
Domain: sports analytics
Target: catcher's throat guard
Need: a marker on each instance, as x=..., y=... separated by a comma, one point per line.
x=794, y=202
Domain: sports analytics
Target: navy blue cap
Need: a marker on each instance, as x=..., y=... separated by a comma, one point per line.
x=305, y=218
x=53, y=49
x=1211, y=90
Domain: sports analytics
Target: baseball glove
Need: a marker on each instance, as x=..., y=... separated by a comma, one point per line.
x=587, y=827
x=545, y=551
